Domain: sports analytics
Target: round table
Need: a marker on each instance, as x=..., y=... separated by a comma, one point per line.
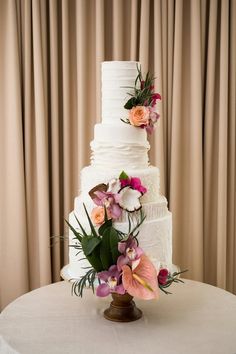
x=197, y=318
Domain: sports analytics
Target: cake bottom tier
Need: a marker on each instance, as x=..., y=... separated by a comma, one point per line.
x=155, y=237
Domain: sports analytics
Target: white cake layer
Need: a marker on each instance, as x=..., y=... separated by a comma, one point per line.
x=119, y=145
x=152, y=211
x=155, y=238
x=92, y=175
x=120, y=132
x=117, y=77
x=105, y=154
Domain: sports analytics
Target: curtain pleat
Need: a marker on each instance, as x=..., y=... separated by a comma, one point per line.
x=50, y=100
x=231, y=193
x=14, y=267
x=159, y=146
x=222, y=146
x=144, y=34
x=39, y=222
x=54, y=136
x=134, y=29
x=118, y=30
x=100, y=52
x=210, y=134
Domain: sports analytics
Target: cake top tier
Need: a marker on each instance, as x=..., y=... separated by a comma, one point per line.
x=116, y=76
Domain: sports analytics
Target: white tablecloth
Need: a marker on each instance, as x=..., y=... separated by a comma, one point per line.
x=197, y=318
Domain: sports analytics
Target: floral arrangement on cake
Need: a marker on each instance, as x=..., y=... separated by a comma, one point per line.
x=119, y=194
x=116, y=261
x=141, y=104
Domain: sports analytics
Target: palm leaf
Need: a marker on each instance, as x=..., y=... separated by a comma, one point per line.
x=105, y=250
x=77, y=234
x=114, y=239
x=94, y=259
x=104, y=226
x=89, y=243
x=93, y=231
x=86, y=280
x=80, y=225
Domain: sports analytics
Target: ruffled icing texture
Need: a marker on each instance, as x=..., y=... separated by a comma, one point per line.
x=119, y=155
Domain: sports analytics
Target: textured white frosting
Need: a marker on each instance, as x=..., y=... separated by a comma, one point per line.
x=152, y=210
x=116, y=76
x=133, y=155
x=91, y=176
x=120, y=132
x=117, y=146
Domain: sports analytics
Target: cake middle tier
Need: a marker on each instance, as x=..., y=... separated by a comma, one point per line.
x=118, y=145
x=94, y=175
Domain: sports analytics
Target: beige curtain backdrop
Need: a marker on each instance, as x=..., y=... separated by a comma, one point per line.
x=50, y=55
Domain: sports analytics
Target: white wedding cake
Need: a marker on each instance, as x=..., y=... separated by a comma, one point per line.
x=121, y=147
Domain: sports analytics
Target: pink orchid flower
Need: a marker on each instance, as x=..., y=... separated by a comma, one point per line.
x=109, y=200
x=154, y=116
x=149, y=128
x=135, y=183
x=141, y=280
x=130, y=252
x=112, y=282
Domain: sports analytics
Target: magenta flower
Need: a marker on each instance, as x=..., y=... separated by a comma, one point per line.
x=155, y=97
x=143, y=85
x=130, y=252
x=125, y=182
x=163, y=276
x=112, y=282
x=134, y=183
x=110, y=201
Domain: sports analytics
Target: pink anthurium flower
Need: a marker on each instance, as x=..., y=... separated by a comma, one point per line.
x=130, y=252
x=112, y=282
x=141, y=280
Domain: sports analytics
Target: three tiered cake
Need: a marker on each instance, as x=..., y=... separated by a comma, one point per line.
x=121, y=147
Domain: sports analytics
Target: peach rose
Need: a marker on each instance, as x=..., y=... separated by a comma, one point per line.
x=98, y=215
x=139, y=115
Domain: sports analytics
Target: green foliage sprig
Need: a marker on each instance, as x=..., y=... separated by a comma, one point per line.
x=87, y=280
x=142, y=94
x=172, y=278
